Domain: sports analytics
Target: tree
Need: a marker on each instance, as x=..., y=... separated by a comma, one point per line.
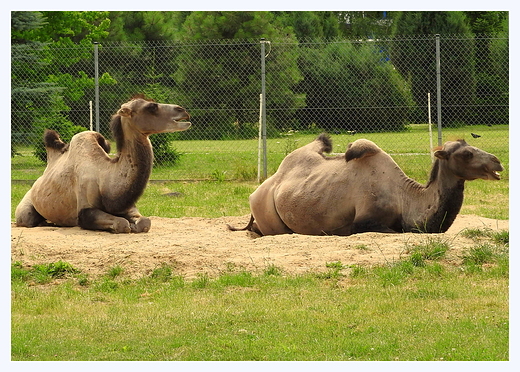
x=487, y=23
x=493, y=77
x=32, y=98
x=221, y=82
x=47, y=82
x=312, y=25
x=414, y=57
x=144, y=26
x=348, y=86
x=366, y=25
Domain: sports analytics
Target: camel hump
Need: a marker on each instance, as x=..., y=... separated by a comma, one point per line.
x=52, y=140
x=102, y=142
x=326, y=142
x=361, y=148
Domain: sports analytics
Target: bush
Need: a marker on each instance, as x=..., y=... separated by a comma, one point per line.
x=60, y=124
x=162, y=153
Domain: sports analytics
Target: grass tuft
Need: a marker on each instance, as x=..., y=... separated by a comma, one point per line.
x=114, y=272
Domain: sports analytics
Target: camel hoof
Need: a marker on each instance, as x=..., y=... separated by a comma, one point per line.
x=141, y=225
x=121, y=226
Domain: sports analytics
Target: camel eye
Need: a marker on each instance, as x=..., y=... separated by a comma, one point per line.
x=466, y=155
x=152, y=107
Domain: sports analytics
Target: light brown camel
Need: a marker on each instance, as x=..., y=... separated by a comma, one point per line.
x=84, y=186
x=364, y=190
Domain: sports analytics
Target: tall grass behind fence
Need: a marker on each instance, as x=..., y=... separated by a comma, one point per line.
x=348, y=88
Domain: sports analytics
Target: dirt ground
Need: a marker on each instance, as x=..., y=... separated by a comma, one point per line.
x=194, y=246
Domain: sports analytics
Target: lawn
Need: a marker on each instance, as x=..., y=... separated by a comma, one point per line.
x=420, y=308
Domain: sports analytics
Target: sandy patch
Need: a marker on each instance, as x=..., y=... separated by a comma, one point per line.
x=204, y=245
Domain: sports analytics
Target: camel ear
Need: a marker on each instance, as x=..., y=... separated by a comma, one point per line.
x=125, y=111
x=441, y=154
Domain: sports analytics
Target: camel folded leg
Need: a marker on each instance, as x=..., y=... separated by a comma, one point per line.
x=96, y=219
x=369, y=225
x=138, y=223
x=26, y=215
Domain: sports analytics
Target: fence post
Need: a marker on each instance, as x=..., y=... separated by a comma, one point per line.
x=260, y=142
x=96, y=83
x=438, y=66
x=263, y=113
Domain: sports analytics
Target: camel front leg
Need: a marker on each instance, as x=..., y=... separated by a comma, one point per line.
x=138, y=223
x=96, y=219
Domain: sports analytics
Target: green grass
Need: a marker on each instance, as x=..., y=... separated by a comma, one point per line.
x=419, y=308
x=237, y=160
x=394, y=312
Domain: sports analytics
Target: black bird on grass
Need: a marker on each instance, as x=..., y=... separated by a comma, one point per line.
x=475, y=135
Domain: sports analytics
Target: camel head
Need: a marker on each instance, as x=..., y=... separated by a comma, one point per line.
x=468, y=162
x=150, y=117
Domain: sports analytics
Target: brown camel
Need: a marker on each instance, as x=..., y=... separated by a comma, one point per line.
x=364, y=190
x=84, y=186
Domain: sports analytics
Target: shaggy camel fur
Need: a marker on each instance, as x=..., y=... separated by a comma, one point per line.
x=84, y=186
x=364, y=190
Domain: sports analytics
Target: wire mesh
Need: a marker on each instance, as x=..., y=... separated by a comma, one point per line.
x=376, y=89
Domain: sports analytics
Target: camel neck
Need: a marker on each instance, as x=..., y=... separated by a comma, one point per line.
x=137, y=154
x=134, y=165
x=434, y=207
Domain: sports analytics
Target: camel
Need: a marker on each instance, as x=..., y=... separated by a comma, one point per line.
x=364, y=190
x=84, y=186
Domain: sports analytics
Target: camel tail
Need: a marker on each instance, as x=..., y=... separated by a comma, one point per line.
x=249, y=226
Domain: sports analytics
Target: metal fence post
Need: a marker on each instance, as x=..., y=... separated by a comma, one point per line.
x=438, y=67
x=96, y=83
x=263, y=113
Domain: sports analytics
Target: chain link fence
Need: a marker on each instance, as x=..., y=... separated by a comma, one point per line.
x=386, y=90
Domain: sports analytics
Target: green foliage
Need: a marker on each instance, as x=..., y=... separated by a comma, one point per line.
x=395, y=273
x=312, y=25
x=42, y=273
x=18, y=273
x=333, y=271
x=144, y=25
x=479, y=255
x=162, y=273
x=498, y=237
x=43, y=90
x=501, y=237
x=459, y=81
x=56, y=121
x=356, y=80
x=240, y=279
x=114, y=272
x=52, y=53
x=431, y=249
x=68, y=27
x=202, y=281
x=273, y=270
x=233, y=73
x=490, y=254
x=164, y=154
